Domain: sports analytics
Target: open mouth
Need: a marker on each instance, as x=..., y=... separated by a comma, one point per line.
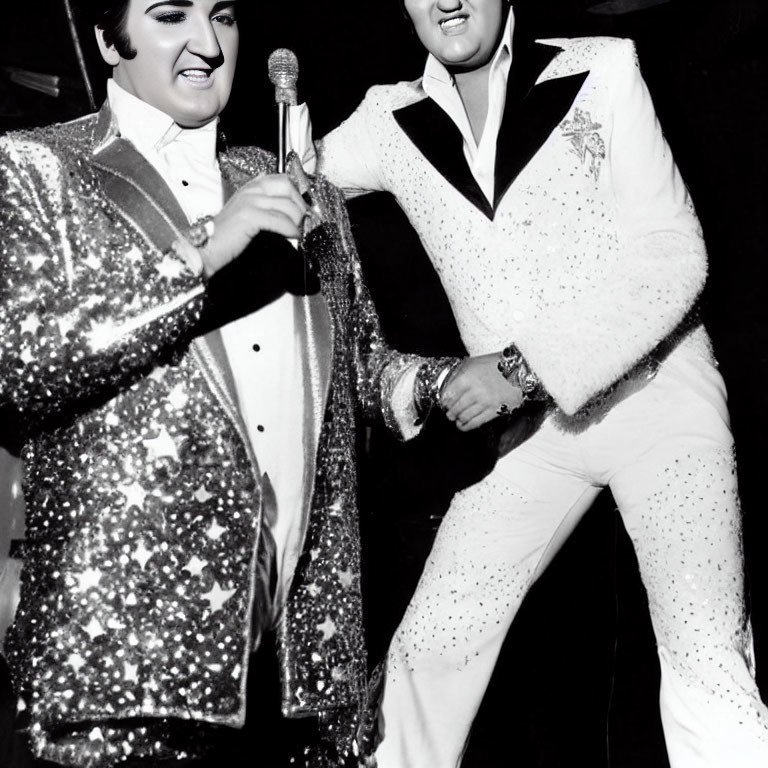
x=199, y=76
x=453, y=23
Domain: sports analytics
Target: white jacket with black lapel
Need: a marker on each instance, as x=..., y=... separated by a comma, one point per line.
x=590, y=255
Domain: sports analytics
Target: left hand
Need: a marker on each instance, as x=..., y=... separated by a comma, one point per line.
x=475, y=392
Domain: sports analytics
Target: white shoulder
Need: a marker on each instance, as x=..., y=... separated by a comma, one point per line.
x=580, y=54
x=387, y=98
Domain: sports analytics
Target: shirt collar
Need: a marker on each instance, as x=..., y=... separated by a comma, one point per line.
x=502, y=59
x=150, y=130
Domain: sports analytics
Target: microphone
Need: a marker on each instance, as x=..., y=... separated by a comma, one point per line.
x=283, y=69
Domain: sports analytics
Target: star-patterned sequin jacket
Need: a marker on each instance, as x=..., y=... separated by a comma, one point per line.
x=144, y=503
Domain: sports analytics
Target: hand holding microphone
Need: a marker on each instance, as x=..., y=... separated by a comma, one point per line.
x=268, y=203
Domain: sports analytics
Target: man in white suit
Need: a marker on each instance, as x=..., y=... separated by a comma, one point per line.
x=540, y=183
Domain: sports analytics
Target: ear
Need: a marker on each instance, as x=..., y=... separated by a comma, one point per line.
x=108, y=52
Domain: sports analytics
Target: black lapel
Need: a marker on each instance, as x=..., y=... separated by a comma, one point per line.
x=440, y=141
x=531, y=111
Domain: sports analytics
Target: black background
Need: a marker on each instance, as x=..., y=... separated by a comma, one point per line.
x=577, y=683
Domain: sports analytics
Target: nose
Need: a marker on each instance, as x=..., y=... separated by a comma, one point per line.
x=448, y=6
x=203, y=40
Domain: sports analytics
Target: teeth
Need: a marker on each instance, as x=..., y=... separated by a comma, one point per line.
x=196, y=74
x=451, y=23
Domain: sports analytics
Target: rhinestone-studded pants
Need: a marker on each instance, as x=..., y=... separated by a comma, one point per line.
x=666, y=452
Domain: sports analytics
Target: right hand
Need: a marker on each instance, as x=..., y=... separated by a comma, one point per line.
x=476, y=391
x=269, y=203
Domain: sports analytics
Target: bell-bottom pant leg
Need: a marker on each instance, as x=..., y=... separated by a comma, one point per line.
x=494, y=539
x=678, y=497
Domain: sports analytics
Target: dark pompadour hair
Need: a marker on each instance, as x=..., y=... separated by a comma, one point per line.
x=110, y=16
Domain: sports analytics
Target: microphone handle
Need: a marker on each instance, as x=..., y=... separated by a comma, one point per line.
x=282, y=135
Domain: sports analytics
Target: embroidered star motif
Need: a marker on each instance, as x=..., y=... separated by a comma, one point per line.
x=314, y=553
x=336, y=507
x=26, y=355
x=142, y=555
x=88, y=579
x=178, y=397
x=36, y=260
x=202, y=495
x=94, y=629
x=76, y=661
x=30, y=324
x=346, y=578
x=217, y=596
x=161, y=446
x=112, y=420
x=135, y=495
x=101, y=334
x=328, y=628
x=96, y=735
x=195, y=566
x=67, y=323
x=170, y=268
x=313, y=590
x=134, y=254
x=93, y=261
x=131, y=672
x=215, y=532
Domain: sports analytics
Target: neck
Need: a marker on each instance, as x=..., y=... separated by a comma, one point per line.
x=473, y=89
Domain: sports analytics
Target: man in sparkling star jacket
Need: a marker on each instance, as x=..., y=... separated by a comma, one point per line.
x=148, y=563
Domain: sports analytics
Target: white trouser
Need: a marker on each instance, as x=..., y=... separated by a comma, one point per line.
x=666, y=453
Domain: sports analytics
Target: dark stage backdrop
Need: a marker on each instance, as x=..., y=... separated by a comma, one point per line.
x=576, y=684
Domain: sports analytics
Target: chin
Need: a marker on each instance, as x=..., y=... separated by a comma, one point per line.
x=196, y=118
x=460, y=62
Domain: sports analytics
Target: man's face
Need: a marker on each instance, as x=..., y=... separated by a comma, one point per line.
x=461, y=34
x=186, y=52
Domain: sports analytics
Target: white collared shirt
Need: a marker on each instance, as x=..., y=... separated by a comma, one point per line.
x=185, y=158
x=263, y=348
x=440, y=86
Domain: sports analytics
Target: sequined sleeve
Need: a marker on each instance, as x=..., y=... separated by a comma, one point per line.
x=86, y=305
x=383, y=380
x=384, y=376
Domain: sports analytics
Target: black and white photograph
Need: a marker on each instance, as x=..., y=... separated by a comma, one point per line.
x=383, y=385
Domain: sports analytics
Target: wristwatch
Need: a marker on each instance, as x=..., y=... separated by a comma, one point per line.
x=513, y=367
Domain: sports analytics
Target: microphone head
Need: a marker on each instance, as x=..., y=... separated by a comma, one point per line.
x=283, y=69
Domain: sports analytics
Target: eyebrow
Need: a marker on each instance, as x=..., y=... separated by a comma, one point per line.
x=187, y=3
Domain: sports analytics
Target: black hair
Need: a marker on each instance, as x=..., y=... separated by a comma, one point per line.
x=110, y=16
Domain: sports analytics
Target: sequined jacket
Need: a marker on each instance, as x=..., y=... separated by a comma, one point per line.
x=590, y=254
x=144, y=502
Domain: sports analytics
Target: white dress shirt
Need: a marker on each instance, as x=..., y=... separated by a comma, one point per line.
x=440, y=86
x=262, y=348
